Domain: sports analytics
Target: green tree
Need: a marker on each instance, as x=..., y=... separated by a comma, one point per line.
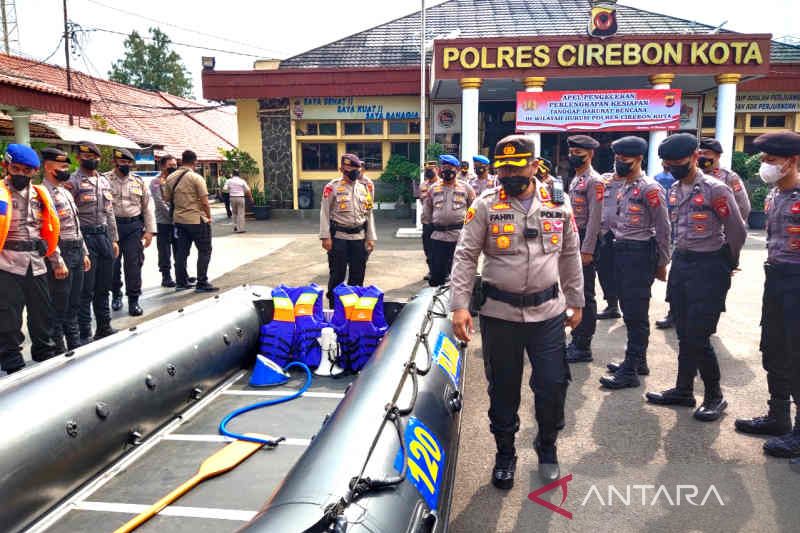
x=236, y=159
x=152, y=66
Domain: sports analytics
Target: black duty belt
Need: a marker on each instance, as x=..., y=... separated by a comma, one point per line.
x=630, y=244
x=532, y=299
x=692, y=255
x=782, y=268
x=437, y=227
x=344, y=229
x=94, y=230
x=22, y=246
x=67, y=243
x=129, y=220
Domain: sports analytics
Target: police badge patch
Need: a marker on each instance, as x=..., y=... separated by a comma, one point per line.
x=469, y=216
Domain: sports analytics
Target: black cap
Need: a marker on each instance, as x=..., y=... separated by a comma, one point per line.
x=677, y=146
x=781, y=143
x=86, y=147
x=123, y=153
x=710, y=143
x=630, y=146
x=516, y=150
x=54, y=154
x=582, y=141
x=352, y=159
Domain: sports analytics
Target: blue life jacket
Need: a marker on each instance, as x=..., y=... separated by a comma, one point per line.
x=309, y=320
x=345, y=299
x=367, y=326
x=277, y=337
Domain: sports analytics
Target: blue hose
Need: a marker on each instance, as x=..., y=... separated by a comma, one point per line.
x=230, y=416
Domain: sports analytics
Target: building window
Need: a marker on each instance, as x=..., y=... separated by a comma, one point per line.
x=363, y=127
x=319, y=156
x=709, y=121
x=767, y=121
x=403, y=127
x=408, y=150
x=315, y=128
x=370, y=153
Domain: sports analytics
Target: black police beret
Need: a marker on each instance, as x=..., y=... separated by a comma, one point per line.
x=54, y=154
x=86, y=147
x=352, y=159
x=677, y=146
x=710, y=143
x=781, y=143
x=123, y=153
x=516, y=150
x=630, y=146
x=582, y=141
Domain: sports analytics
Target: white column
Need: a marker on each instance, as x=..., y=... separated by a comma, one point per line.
x=22, y=126
x=726, y=115
x=535, y=84
x=658, y=81
x=470, y=88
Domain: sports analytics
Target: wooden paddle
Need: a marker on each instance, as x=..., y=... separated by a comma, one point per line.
x=222, y=461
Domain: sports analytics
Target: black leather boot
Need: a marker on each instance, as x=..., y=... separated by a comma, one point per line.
x=505, y=461
x=776, y=422
x=60, y=347
x=134, y=309
x=786, y=445
x=666, y=323
x=643, y=369
x=626, y=375
x=549, y=470
x=611, y=311
x=104, y=329
x=683, y=397
x=116, y=301
x=166, y=280
x=579, y=350
x=711, y=408
x=85, y=334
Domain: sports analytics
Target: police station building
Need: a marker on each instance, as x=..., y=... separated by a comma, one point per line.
x=544, y=67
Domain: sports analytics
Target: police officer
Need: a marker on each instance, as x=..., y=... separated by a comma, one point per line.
x=641, y=253
x=431, y=177
x=165, y=237
x=586, y=196
x=780, y=313
x=347, y=225
x=136, y=224
x=530, y=246
x=95, y=201
x=66, y=279
x=710, y=151
x=446, y=206
x=605, y=252
x=704, y=213
x=31, y=234
x=463, y=172
x=481, y=180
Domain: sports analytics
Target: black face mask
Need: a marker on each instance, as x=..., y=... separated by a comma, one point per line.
x=679, y=171
x=170, y=170
x=515, y=185
x=124, y=169
x=576, y=161
x=480, y=170
x=705, y=163
x=61, y=175
x=622, y=168
x=353, y=174
x=429, y=173
x=448, y=175
x=20, y=181
x=90, y=164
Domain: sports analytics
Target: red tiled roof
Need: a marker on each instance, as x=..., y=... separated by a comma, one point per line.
x=37, y=95
x=149, y=118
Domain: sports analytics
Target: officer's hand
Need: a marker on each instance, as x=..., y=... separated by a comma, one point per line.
x=661, y=273
x=462, y=325
x=327, y=244
x=369, y=245
x=574, y=317
x=586, y=259
x=115, y=247
x=87, y=263
x=147, y=238
x=60, y=271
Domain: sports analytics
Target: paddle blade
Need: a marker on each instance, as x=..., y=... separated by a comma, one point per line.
x=228, y=457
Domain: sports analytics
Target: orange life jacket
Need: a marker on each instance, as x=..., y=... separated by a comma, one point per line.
x=51, y=225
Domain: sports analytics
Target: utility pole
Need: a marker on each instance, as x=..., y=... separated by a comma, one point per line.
x=8, y=24
x=66, y=52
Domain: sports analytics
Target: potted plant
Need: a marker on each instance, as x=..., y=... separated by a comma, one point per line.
x=261, y=209
x=399, y=174
x=757, y=218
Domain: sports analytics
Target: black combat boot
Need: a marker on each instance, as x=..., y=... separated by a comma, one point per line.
x=549, y=470
x=104, y=329
x=713, y=404
x=786, y=445
x=85, y=335
x=675, y=396
x=166, y=280
x=611, y=311
x=580, y=350
x=666, y=323
x=505, y=461
x=643, y=369
x=60, y=347
x=776, y=422
x=626, y=375
x=116, y=301
x=134, y=309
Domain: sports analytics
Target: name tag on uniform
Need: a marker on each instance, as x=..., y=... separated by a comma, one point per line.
x=136, y=188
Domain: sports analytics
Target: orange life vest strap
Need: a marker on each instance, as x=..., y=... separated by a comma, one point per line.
x=51, y=224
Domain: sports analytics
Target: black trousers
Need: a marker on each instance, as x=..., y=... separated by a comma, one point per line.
x=503, y=345
x=226, y=199
x=441, y=261
x=605, y=268
x=16, y=293
x=131, y=255
x=696, y=291
x=588, y=325
x=780, y=331
x=346, y=259
x=635, y=265
x=96, y=282
x=66, y=293
x=200, y=235
x=427, y=230
x=165, y=242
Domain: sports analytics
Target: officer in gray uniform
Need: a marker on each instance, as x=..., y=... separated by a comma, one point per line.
x=136, y=224
x=531, y=247
x=710, y=151
x=780, y=313
x=165, y=235
x=481, y=180
x=586, y=195
x=347, y=225
x=65, y=283
x=709, y=234
x=641, y=254
x=446, y=206
x=95, y=201
x=605, y=252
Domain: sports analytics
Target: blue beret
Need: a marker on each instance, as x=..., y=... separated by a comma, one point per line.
x=677, y=146
x=448, y=159
x=481, y=159
x=22, y=155
x=630, y=146
x=780, y=143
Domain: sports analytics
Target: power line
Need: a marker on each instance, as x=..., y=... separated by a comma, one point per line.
x=161, y=22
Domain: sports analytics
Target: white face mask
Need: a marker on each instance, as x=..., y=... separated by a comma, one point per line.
x=770, y=173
